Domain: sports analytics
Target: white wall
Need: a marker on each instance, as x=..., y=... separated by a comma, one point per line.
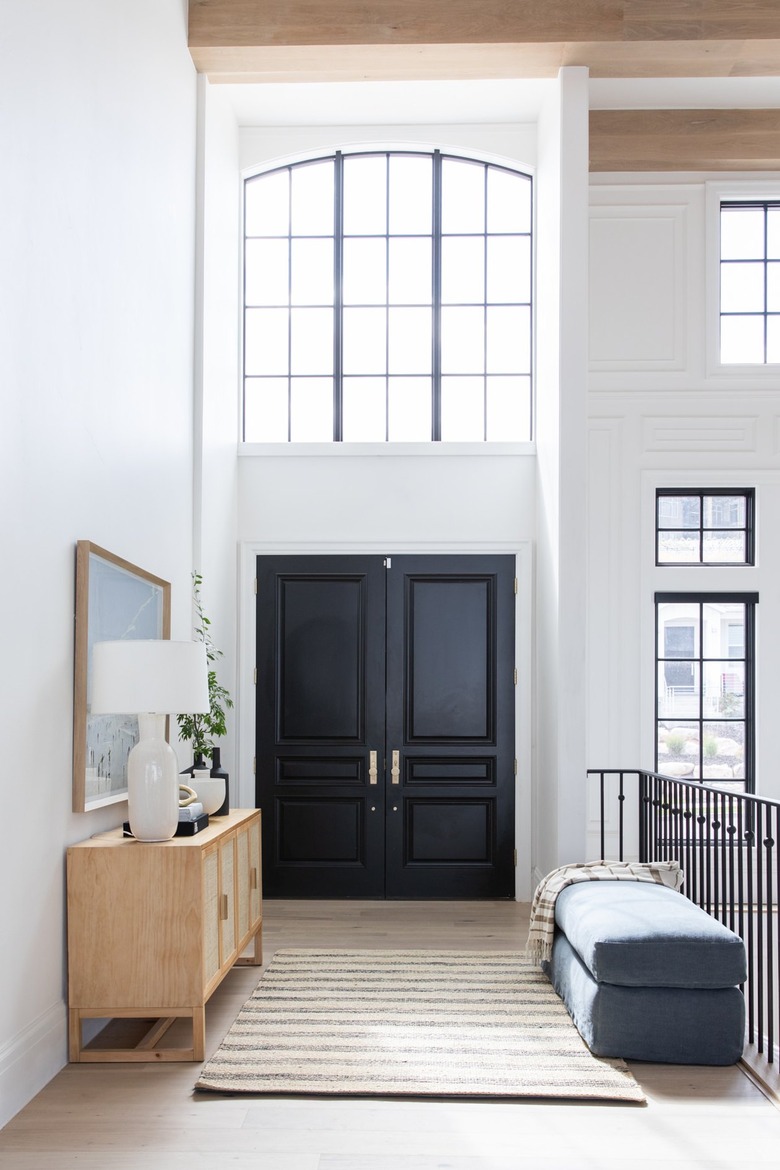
x=217, y=389
x=447, y=497
x=260, y=144
x=97, y=140
x=561, y=313
x=663, y=413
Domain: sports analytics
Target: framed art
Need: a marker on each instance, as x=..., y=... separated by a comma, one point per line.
x=114, y=599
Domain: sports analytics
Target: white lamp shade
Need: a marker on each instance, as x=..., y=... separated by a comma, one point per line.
x=156, y=676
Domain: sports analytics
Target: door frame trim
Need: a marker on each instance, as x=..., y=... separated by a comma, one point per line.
x=525, y=800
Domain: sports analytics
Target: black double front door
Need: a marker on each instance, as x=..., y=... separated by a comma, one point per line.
x=385, y=726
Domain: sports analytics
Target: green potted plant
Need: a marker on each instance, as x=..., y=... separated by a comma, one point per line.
x=202, y=730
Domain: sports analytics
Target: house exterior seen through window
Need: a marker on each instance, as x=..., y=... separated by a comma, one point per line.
x=387, y=297
x=750, y=283
x=704, y=687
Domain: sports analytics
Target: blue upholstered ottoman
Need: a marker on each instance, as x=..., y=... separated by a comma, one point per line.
x=646, y=975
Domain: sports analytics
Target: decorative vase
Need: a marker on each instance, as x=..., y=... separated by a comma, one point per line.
x=218, y=772
x=198, y=764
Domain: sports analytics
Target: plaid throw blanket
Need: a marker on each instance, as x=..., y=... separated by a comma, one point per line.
x=542, y=926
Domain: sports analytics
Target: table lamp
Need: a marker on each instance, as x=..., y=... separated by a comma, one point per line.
x=150, y=679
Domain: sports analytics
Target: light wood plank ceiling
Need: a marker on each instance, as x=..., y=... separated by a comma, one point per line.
x=349, y=40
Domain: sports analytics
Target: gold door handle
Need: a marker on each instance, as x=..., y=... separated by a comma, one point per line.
x=395, y=771
x=372, y=770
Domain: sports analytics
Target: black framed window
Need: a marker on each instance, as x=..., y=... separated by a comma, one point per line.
x=705, y=687
x=387, y=297
x=750, y=282
x=707, y=527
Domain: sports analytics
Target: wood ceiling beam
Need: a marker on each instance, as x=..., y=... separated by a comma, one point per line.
x=233, y=64
x=415, y=22
x=349, y=39
x=685, y=140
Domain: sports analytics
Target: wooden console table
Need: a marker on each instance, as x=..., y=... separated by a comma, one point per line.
x=153, y=928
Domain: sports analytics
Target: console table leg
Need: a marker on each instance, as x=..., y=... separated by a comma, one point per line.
x=199, y=1033
x=74, y=1035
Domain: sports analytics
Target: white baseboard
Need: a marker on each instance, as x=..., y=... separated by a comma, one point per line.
x=31, y=1058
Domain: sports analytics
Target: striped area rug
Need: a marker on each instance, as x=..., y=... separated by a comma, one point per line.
x=416, y=1023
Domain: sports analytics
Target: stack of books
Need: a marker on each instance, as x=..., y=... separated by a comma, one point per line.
x=191, y=820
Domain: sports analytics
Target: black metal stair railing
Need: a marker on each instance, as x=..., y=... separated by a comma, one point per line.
x=727, y=844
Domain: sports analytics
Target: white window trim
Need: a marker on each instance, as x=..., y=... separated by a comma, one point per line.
x=346, y=450
x=718, y=191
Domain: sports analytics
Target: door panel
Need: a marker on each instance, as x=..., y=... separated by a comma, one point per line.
x=450, y=716
x=448, y=659
x=320, y=712
x=321, y=639
x=411, y=665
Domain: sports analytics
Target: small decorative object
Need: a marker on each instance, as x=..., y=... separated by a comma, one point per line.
x=219, y=773
x=210, y=790
x=202, y=728
x=187, y=795
x=150, y=679
x=198, y=764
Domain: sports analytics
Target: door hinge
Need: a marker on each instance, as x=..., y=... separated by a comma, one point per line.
x=515, y=584
x=255, y=676
x=515, y=767
x=255, y=584
x=515, y=676
x=515, y=857
x=254, y=765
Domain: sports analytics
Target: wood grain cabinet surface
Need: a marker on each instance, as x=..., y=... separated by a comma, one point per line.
x=153, y=928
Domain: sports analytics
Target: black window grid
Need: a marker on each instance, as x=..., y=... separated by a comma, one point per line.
x=437, y=236
x=701, y=494
x=698, y=660
x=764, y=314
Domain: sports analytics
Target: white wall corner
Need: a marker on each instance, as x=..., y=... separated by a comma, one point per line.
x=30, y=1059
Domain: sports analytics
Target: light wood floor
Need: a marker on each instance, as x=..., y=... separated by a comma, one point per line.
x=131, y=1117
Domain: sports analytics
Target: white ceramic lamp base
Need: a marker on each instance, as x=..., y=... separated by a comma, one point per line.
x=152, y=783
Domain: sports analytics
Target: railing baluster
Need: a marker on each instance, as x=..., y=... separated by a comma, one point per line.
x=760, y=924
x=701, y=858
x=716, y=823
x=750, y=912
x=689, y=823
x=770, y=939
x=740, y=871
x=731, y=830
x=621, y=826
x=776, y=920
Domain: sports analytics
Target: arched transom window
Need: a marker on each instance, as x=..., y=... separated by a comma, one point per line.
x=388, y=298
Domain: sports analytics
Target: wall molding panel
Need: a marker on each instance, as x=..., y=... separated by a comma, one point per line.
x=638, y=317
x=710, y=433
